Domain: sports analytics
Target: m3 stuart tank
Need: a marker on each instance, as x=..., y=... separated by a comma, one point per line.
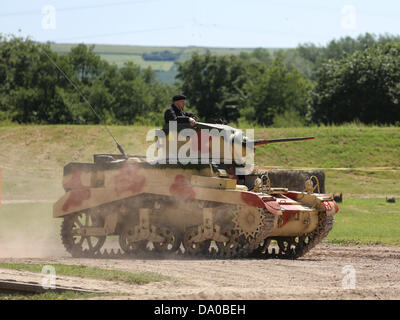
x=170, y=205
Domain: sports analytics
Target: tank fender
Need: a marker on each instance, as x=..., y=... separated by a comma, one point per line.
x=321, y=202
x=261, y=201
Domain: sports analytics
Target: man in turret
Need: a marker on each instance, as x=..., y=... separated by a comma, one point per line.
x=176, y=112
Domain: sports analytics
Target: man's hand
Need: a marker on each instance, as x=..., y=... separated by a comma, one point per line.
x=192, y=122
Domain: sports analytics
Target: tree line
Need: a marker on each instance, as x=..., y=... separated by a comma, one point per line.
x=33, y=90
x=347, y=80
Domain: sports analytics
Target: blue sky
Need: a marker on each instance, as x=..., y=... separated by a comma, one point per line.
x=217, y=23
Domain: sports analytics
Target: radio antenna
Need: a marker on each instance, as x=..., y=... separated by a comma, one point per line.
x=88, y=103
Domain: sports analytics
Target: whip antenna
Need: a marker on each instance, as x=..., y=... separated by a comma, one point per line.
x=88, y=103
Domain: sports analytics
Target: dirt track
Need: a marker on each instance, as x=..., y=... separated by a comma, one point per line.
x=316, y=276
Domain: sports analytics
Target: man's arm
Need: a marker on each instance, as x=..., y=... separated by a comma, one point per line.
x=192, y=118
x=190, y=115
x=171, y=116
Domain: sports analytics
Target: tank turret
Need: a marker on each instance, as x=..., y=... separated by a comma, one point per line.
x=207, y=143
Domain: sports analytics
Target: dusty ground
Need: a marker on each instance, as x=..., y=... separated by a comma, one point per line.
x=319, y=275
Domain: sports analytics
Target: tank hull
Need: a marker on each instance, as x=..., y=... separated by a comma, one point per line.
x=189, y=210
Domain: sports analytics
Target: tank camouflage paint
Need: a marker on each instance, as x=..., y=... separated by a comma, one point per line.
x=193, y=209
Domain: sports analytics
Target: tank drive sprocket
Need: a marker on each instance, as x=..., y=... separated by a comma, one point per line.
x=248, y=221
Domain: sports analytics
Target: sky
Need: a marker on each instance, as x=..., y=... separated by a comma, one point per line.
x=203, y=23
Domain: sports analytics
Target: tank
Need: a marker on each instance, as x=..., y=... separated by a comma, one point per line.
x=192, y=205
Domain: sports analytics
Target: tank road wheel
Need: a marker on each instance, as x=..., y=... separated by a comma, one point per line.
x=73, y=234
x=262, y=250
x=287, y=247
x=232, y=247
x=131, y=247
x=192, y=247
x=172, y=240
x=301, y=244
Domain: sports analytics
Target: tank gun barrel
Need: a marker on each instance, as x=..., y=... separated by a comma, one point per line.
x=261, y=142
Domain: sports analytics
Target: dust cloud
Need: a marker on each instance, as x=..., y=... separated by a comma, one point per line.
x=28, y=230
x=29, y=248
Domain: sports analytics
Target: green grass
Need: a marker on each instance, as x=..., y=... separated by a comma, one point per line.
x=349, y=146
x=49, y=296
x=81, y=271
x=366, y=221
x=363, y=182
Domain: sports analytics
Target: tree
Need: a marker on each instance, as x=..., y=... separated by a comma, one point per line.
x=363, y=86
x=33, y=90
x=29, y=79
x=274, y=91
x=213, y=85
x=86, y=64
x=316, y=56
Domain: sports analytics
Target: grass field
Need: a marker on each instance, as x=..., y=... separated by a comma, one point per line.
x=361, y=162
x=365, y=182
x=366, y=221
x=119, y=60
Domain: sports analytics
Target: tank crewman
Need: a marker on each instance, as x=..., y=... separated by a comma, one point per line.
x=176, y=112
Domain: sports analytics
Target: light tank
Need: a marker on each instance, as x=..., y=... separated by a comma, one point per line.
x=169, y=203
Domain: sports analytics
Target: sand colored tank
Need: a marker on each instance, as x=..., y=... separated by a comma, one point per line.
x=171, y=204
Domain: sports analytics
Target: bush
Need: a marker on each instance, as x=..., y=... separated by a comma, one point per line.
x=364, y=86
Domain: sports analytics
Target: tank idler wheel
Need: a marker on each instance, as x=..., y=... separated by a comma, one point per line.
x=77, y=243
x=232, y=247
x=192, y=247
x=172, y=240
x=131, y=247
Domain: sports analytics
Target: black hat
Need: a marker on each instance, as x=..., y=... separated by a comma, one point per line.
x=179, y=97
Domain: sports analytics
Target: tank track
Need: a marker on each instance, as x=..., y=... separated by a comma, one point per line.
x=257, y=247
x=243, y=248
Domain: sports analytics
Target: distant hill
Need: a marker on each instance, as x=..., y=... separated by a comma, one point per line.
x=119, y=54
